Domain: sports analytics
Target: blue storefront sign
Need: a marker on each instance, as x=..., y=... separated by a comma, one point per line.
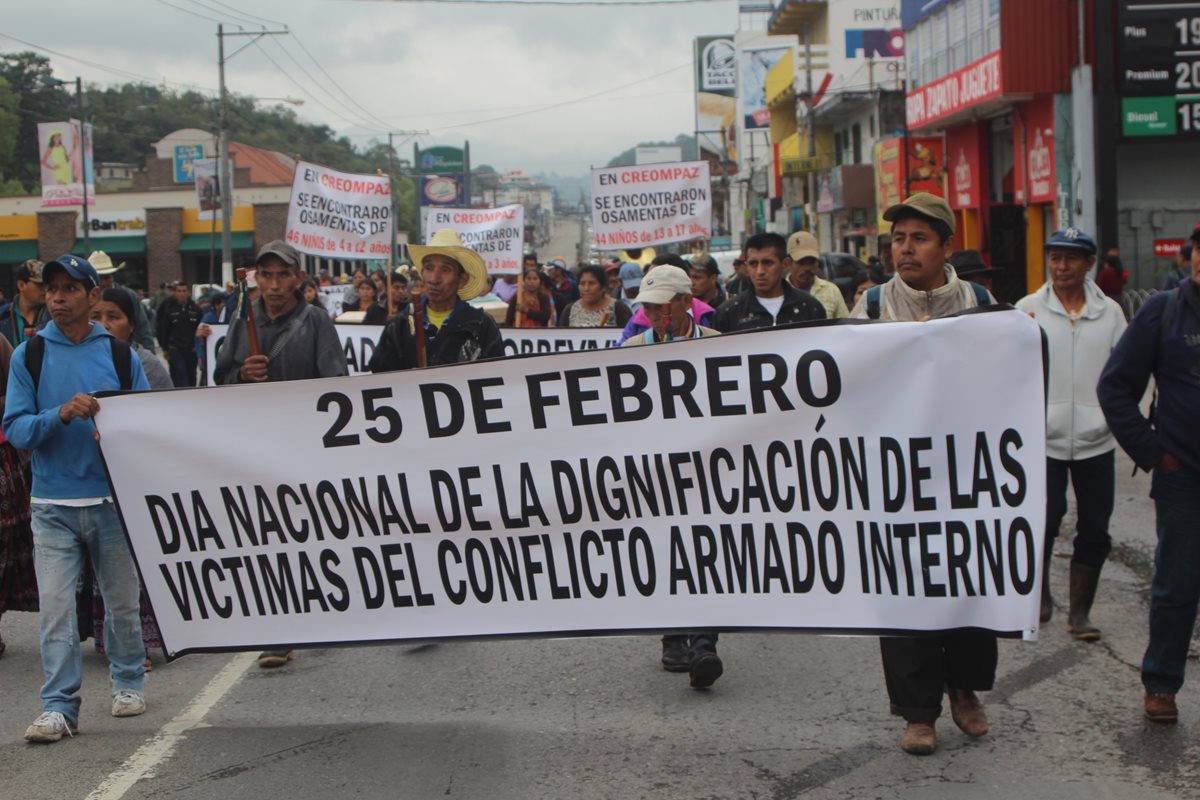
x=185, y=154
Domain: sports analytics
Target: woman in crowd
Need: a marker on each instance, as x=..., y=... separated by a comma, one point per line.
x=534, y=302
x=368, y=302
x=312, y=295
x=595, y=307
x=115, y=312
x=18, y=586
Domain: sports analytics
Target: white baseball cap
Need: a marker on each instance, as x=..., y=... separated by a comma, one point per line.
x=663, y=283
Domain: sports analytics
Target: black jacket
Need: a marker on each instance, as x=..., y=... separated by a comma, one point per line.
x=468, y=335
x=743, y=312
x=177, y=324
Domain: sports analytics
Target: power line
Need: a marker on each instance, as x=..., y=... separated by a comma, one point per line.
x=114, y=70
x=190, y=13
x=305, y=90
x=369, y=123
x=349, y=97
x=249, y=15
x=552, y=106
x=233, y=15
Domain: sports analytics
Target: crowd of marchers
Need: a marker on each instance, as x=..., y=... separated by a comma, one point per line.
x=72, y=332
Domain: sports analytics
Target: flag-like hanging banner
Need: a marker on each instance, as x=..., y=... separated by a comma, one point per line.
x=748, y=481
x=65, y=153
x=339, y=214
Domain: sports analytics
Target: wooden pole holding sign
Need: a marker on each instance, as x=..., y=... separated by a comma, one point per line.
x=251, y=328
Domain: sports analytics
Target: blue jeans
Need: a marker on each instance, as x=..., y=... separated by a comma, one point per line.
x=1176, y=588
x=62, y=537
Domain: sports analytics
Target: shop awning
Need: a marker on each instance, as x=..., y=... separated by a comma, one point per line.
x=113, y=245
x=16, y=251
x=201, y=242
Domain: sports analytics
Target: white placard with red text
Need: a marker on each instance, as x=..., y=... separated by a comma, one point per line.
x=651, y=204
x=339, y=214
x=497, y=234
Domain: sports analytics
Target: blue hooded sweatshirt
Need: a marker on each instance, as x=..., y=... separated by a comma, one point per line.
x=66, y=458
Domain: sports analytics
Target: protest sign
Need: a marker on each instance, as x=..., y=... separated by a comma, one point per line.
x=648, y=205
x=358, y=341
x=65, y=154
x=497, y=234
x=747, y=481
x=336, y=297
x=339, y=214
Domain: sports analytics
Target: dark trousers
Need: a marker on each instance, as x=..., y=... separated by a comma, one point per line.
x=918, y=669
x=183, y=367
x=1175, y=592
x=1095, y=484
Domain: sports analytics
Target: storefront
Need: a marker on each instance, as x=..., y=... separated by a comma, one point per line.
x=200, y=243
x=997, y=114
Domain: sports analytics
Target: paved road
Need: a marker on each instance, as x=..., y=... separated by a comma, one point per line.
x=565, y=240
x=794, y=716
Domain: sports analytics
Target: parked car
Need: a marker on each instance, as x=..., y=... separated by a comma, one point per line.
x=841, y=268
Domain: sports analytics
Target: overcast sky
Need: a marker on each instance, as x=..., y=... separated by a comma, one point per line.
x=443, y=66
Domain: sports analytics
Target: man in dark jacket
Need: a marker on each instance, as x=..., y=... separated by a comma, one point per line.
x=177, y=318
x=773, y=301
x=1163, y=340
x=451, y=331
x=27, y=313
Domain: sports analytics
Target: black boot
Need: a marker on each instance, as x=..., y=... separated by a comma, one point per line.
x=1084, y=580
x=1047, y=599
x=704, y=665
x=675, y=653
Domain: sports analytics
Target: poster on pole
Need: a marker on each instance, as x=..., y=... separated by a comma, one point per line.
x=65, y=153
x=739, y=482
x=496, y=234
x=359, y=343
x=339, y=214
x=641, y=206
x=208, y=188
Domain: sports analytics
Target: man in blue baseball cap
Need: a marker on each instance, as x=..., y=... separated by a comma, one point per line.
x=49, y=409
x=631, y=275
x=1082, y=326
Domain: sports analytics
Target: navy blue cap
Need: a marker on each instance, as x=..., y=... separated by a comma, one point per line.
x=79, y=269
x=1072, y=239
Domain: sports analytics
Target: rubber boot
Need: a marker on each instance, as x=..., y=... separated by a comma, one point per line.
x=1084, y=580
x=1047, y=598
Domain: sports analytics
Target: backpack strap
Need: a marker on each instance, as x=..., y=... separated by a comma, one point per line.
x=1168, y=313
x=874, y=296
x=35, y=353
x=981, y=294
x=122, y=356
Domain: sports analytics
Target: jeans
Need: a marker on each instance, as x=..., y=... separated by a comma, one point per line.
x=1176, y=588
x=62, y=537
x=183, y=367
x=1094, y=480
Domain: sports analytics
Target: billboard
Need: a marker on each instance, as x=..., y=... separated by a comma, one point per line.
x=753, y=66
x=897, y=176
x=185, y=156
x=716, y=94
x=442, y=190
x=436, y=160
x=65, y=153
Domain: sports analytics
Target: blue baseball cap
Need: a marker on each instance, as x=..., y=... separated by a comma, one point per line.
x=631, y=275
x=79, y=269
x=1072, y=239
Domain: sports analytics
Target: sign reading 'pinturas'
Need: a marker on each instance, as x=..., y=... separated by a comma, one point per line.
x=339, y=214
x=742, y=481
x=640, y=206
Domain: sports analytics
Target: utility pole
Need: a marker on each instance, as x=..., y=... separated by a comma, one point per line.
x=392, y=170
x=83, y=163
x=224, y=166
x=812, y=128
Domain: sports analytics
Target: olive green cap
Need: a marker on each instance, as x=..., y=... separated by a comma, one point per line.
x=925, y=204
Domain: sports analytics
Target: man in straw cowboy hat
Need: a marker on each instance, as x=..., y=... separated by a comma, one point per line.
x=441, y=328
x=143, y=332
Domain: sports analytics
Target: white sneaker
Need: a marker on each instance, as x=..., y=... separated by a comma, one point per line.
x=49, y=727
x=128, y=703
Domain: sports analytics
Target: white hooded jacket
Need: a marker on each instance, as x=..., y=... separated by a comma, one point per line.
x=1075, y=425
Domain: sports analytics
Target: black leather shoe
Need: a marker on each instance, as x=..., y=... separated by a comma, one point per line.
x=675, y=653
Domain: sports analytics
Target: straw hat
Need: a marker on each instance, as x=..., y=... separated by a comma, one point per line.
x=446, y=242
x=103, y=264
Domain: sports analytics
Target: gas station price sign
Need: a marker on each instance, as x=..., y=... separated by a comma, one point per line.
x=1158, y=47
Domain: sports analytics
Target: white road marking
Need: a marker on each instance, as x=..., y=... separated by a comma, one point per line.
x=159, y=747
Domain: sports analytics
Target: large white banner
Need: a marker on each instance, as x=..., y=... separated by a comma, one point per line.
x=848, y=478
x=497, y=234
x=359, y=341
x=648, y=205
x=339, y=214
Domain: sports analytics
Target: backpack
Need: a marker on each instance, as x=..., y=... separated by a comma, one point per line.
x=122, y=356
x=875, y=297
